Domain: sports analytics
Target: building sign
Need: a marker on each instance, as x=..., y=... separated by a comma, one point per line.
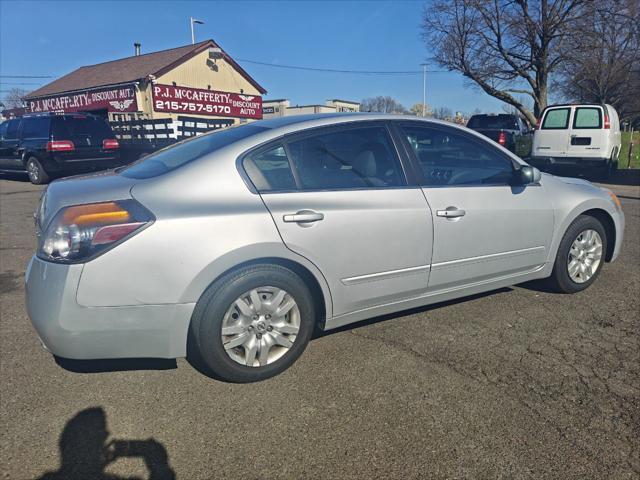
x=120, y=99
x=268, y=110
x=172, y=99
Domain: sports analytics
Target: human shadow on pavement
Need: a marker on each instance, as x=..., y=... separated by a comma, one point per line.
x=85, y=452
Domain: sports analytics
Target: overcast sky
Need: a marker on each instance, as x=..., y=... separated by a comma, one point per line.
x=54, y=38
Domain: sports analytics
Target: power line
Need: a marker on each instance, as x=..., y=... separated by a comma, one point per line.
x=331, y=70
x=2, y=82
x=26, y=76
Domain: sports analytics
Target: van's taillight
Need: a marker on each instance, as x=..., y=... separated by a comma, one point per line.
x=110, y=144
x=607, y=123
x=538, y=124
x=502, y=139
x=60, y=146
x=79, y=233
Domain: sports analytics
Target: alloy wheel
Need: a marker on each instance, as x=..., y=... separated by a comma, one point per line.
x=584, y=256
x=260, y=326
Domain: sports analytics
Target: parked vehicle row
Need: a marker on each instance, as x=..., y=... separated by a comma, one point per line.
x=235, y=245
x=49, y=145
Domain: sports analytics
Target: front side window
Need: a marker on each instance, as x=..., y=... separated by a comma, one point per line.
x=269, y=170
x=3, y=130
x=587, y=118
x=556, y=119
x=347, y=159
x=447, y=157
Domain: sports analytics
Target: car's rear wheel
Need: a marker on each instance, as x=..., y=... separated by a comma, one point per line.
x=36, y=172
x=580, y=256
x=253, y=323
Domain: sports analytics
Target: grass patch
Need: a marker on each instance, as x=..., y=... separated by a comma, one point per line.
x=624, y=151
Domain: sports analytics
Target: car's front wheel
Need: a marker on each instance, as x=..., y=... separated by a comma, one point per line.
x=580, y=255
x=253, y=323
x=36, y=172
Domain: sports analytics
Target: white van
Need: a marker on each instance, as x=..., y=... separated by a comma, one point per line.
x=583, y=136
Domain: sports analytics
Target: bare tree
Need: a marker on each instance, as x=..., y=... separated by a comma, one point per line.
x=15, y=98
x=381, y=104
x=605, y=63
x=506, y=47
x=443, y=113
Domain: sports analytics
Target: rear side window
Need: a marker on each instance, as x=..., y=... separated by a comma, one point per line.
x=269, y=170
x=12, y=130
x=81, y=130
x=556, y=119
x=179, y=154
x=347, y=159
x=36, y=127
x=3, y=130
x=587, y=117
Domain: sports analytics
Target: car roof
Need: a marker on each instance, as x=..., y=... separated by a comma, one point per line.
x=301, y=122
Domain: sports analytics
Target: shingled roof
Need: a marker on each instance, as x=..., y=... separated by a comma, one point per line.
x=131, y=69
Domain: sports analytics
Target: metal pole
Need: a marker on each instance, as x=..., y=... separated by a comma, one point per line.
x=193, y=37
x=424, y=89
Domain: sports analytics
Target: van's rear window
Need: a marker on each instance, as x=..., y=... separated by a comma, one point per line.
x=556, y=119
x=170, y=158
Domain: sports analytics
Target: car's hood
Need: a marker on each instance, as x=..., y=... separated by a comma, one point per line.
x=92, y=188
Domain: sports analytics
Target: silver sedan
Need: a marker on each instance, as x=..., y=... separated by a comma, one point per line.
x=233, y=246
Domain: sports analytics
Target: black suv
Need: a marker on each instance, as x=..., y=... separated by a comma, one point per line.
x=508, y=130
x=50, y=145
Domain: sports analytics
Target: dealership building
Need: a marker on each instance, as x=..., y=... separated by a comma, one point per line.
x=196, y=81
x=282, y=107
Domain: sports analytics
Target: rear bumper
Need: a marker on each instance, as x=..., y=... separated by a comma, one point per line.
x=72, y=331
x=619, y=222
x=584, y=162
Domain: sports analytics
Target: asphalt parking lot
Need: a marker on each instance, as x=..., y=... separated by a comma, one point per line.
x=519, y=383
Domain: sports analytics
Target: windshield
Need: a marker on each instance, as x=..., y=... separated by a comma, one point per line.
x=494, y=122
x=175, y=156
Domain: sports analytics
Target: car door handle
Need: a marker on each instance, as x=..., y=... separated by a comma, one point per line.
x=303, y=216
x=451, y=212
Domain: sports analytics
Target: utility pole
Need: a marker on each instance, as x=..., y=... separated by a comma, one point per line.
x=424, y=89
x=192, y=21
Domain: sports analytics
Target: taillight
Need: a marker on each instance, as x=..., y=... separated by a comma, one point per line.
x=81, y=232
x=502, y=138
x=110, y=144
x=607, y=123
x=538, y=124
x=60, y=146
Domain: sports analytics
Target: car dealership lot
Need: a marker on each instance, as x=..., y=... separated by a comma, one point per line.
x=517, y=383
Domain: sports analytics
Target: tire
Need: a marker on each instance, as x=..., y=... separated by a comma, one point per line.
x=218, y=305
x=36, y=172
x=561, y=279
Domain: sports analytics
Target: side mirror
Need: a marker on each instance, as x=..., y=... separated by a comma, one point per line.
x=527, y=175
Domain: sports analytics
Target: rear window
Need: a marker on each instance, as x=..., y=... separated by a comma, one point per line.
x=175, y=156
x=81, y=130
x=587, y=117
x=36, y=127
x=494, y=122
x=556, y=119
